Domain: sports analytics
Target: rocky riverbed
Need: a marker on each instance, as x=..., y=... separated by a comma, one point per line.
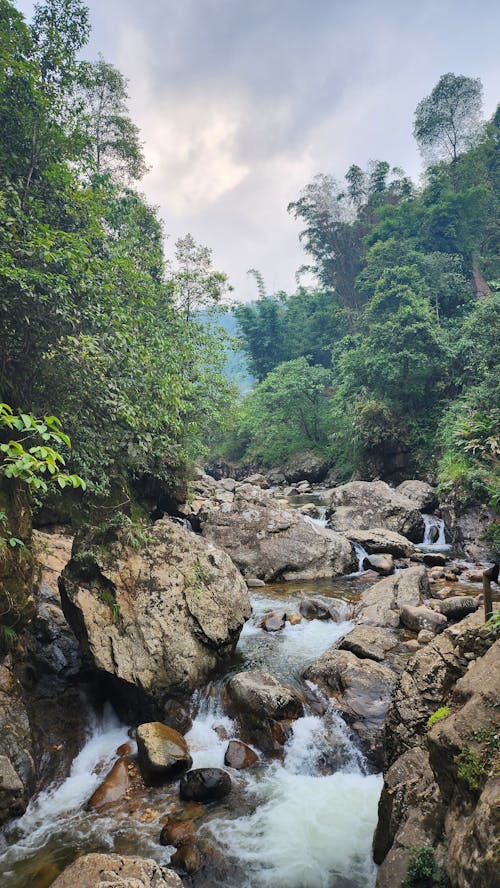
x=272, y=676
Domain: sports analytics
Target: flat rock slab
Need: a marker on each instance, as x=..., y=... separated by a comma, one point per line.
x=380, y=539
x=115, y=871
x=369, y=642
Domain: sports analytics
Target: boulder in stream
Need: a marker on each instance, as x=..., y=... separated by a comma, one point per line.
x=162, y=752
x=421, y=617
x=381, y=562
x=264, y=708
x=380, y=539
x=419, y=492
x=239, y=756
x=381, y=604
x=369, y=642
x=116, y=871
x=367, y=504
x=205, y=785
x=156, y=619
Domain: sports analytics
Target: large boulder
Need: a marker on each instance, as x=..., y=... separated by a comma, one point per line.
x=419, y=492
x=264, y=708
x=116, y=871
x=381, y=604
x=270, y=543
x=155, y=619
x=364, y=687
x=421, y=617
x=369, y=642
x=366, y=504
x=379, y=539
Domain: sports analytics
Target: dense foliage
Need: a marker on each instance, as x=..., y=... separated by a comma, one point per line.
x=398, y=342
x=96, y=327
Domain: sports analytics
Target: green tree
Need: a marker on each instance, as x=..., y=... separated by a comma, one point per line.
x=448, y=120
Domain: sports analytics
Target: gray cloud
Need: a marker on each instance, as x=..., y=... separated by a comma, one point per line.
x=241, y=102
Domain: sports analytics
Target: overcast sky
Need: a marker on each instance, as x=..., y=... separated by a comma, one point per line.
x=241, y=102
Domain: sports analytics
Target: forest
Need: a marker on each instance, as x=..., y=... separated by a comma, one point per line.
x=386, y=366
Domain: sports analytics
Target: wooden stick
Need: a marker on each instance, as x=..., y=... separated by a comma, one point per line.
x=489, y=576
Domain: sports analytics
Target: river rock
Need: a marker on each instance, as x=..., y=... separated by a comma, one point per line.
x=264, y=708
x=176, y=716
x=113, y=787
x=180, y=832
x=458, y=606
x=369, y=642
x=162, y=751
x=434, y=559
x=419, y=492
x=322, y=607
x=205, y=785
x=116, y=871
x=380, y=604
x=188, y=858
x=158, y=618
x=273, y=622
x=421, y=617
x=365, y=689
x=239, y=756
x=380, y=539
x=16, y=743
x=271, y=543
x=379, y=562
x=366, y=504
x=257, y=480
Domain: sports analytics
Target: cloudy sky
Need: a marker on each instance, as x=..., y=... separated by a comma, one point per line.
x=241, y=102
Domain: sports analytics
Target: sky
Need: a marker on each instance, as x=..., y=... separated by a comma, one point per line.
x=241, y=102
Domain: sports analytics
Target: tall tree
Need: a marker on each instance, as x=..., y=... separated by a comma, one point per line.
x=447, y=120
x=113, y=139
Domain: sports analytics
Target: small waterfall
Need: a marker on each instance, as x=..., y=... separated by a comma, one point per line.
x=434, y=533
x=321, y=520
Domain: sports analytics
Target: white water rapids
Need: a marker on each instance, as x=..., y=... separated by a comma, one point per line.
x=304, y=822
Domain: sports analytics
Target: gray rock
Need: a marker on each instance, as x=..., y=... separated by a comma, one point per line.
x=12, y=793
x=366, y=504
x=370, y=642
x=263, y=696
x=419, y=492
x=380, y=563
x=160, y=618
x=381, y=603
x=380, y=539
x=458, y=606
x=365, y=689
x=417, y=618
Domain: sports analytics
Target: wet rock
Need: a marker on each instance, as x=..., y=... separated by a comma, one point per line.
x=205, y=785
x=179, y=832
x=188, y=858
x=156, y=619
x=366, y=504
x=380, y=563
x=369, y=642
x=162, y=752
x=176, y=716
x=458, y=606
x=254, y=583
x=270, y=542
x=113, y=787
x=272, y=622
x=364, y=689
x=417, y=618
x=380, y=605
x=434, y=559
x=264, y=708
x=314, y=609
x=116, y=871
x=239, y=756
x=380, y=539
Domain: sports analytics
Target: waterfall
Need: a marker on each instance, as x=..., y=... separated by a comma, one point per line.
x=434, y=533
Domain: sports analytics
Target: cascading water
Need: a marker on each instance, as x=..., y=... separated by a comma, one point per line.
x=434, y=534
x=304, y=822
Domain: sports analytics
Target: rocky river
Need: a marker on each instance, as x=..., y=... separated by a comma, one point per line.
x=294, y=647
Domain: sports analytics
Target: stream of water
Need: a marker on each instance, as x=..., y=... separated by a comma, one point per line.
x=305, y=821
